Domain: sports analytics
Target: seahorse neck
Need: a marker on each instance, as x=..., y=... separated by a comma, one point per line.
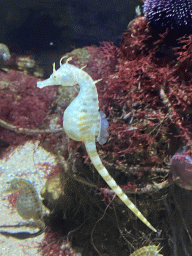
x=86, y=83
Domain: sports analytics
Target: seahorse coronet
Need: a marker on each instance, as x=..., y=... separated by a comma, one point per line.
x=82, y=122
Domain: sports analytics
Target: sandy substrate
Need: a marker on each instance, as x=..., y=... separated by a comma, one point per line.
x=33, y=163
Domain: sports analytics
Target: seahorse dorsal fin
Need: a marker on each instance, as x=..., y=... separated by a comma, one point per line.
x=103, y=133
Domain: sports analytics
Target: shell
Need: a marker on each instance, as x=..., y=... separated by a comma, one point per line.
x=181, y=169
x=150, y=250
x=4, y=52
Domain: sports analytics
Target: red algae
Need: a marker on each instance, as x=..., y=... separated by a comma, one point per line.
x=147, y=96
x=22, y=104
x=12, y=198
x=54, y=244
x=45, y=167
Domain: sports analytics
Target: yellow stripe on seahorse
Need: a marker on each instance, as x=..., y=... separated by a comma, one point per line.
x=82, y=123
x=83, y=117
x=92, y=152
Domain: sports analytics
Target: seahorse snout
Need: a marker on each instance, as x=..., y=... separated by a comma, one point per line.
x=47, y=82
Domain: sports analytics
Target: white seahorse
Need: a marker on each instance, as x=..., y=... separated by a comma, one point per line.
x=83, y=122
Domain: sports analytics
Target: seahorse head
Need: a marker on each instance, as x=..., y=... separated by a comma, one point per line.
x=14, y=185
x=64, y=76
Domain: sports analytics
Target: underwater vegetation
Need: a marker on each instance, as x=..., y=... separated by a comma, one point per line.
x=146, y=93
x=21, y=105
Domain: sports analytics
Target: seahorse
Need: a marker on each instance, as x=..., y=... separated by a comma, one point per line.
x=28, y=203
x=83, y=122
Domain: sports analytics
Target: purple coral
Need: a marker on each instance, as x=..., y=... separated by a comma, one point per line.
x=164, y=14
x=181, y=169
